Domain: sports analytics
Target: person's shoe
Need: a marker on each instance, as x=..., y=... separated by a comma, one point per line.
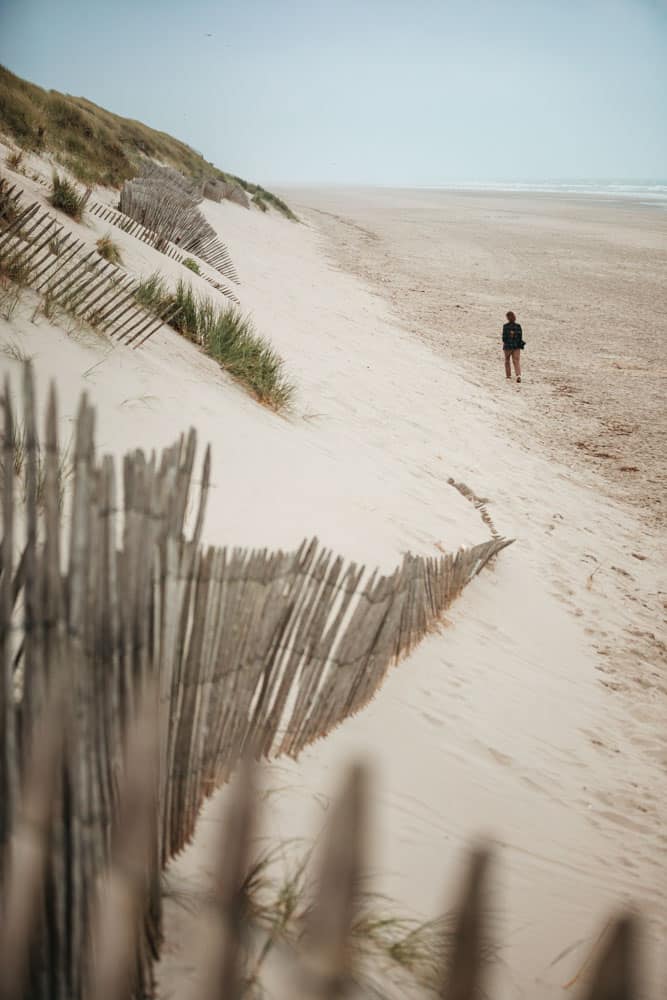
x=518, y=378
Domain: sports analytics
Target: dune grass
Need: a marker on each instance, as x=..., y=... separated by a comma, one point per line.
x=109, y=250
x=13, y=350
x=152, y=293
x=19, y=447
x=231, y=339
x=14, y=160
x=260, y=194
x=97, y=146
x=259, y=202
x=225, y=335
x=278, y=893
x=191, y=265
x=65, y=197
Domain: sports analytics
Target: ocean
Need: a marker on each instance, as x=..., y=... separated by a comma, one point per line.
x=646, y=192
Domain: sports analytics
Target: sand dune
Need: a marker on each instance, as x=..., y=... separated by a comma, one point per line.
x=537, y=715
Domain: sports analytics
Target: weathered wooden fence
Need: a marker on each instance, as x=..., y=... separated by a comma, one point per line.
x=323, y=962
x=37, y=251
x=247, y=651
x=134, y=228
x=131, y=227
x=168, y=213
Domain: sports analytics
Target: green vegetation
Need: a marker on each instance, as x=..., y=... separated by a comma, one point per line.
x=98, y=146
x=109, y=250
x=233, y=342
x=191, y=316
x=65, y=197
x=13, y=268
x=19, y=449
x=260, y=194
x=277, y=895
x=13, y=278
x=259, y=201
x=152, y=293
x=191, y=265
x=14, y=160
x=225, y=335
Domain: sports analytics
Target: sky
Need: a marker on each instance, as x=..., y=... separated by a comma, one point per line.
x=384, y=92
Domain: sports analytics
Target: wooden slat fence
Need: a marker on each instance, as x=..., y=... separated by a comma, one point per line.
x=222, y=260
x=324, y=959
x=137, y=671
x=167, y=210
x=247, y=650
x=36, y=248
x=132, y=227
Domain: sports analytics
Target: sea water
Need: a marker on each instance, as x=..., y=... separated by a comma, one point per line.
x=647, y=192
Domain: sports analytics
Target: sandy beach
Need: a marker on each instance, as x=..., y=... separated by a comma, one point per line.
x=586, y=276
x=536, y=715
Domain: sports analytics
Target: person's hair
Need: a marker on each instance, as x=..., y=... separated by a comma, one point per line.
x=511, y=317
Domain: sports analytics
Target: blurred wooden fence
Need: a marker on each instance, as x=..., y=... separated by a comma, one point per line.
x=137, y=669
x=36, y=250
x=323, y=961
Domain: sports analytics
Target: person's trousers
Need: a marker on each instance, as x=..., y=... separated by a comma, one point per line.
x=515, y=355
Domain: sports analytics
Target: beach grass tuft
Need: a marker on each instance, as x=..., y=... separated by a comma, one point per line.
x=15, y=352
x=191, y=265
x=232, y=340
x=19, y=448
x=277, y=897
x=259, y=202
x=225, y=335
x=109, y=250
x=14, y=160
x=13, y=268
x=65, y=197
x=152, y=293
x=188, y=320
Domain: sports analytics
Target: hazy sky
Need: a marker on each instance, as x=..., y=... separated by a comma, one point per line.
x=370, y=91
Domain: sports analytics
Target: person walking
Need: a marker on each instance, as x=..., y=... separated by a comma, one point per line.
x=513, y=344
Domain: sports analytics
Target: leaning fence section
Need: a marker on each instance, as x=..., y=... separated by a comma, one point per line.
x=242, y=651
x=166, y=205
x=221, y=261
x=37, y=250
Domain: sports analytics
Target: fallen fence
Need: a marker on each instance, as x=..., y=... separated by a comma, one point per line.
x=245, y=652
